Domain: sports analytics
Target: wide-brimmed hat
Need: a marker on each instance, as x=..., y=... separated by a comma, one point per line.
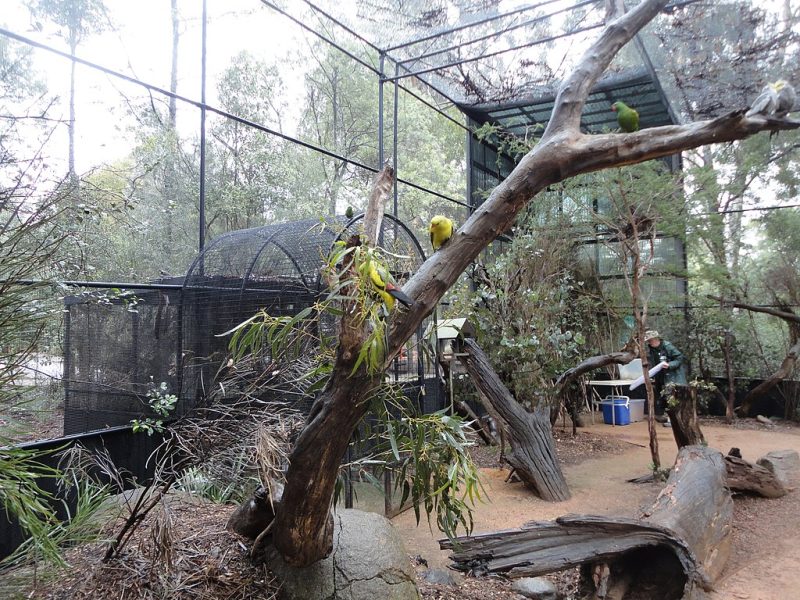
x=650, y=334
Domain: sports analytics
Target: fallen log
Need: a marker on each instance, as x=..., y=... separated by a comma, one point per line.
x=752, y=479
x=676, y=550
x=533, y=449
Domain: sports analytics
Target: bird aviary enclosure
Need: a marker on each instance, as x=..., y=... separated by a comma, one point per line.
x=212, y=127
x=120, y=344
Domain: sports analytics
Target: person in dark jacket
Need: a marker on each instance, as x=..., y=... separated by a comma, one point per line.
x=660, y=351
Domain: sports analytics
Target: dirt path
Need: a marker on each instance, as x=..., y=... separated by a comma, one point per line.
x=765, y=563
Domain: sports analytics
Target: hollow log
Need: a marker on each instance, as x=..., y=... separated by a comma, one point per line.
x=675, y=550
x=532, y=448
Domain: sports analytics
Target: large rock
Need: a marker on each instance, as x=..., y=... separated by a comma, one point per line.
x=782, y=463
x=439, y=577
x=368, y=562
x=537, y=588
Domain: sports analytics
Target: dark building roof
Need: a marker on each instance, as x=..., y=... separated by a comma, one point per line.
x=635, y=87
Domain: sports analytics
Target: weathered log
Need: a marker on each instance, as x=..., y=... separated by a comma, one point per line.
x=753, y=479
x=533, y=450
x=683, y=417
x=675, y=551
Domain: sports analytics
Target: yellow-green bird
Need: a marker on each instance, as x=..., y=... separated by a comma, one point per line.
x=441, y=230
x=388, y=292
x=627, y=117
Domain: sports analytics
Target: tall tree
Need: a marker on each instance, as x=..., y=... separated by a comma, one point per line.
x=75, y=20
x=246, y=166
x=339, y=116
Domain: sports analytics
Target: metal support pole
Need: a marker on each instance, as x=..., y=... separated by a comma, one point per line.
x=394, y=139
x=202, y=215
x=381, y=77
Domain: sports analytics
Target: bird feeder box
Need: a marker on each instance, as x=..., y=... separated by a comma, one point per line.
x=448, y=332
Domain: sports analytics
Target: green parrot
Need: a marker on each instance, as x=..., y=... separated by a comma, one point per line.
x=349, y=212
x=627, y=117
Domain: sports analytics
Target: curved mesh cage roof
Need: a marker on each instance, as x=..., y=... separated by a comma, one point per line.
x=286, y=257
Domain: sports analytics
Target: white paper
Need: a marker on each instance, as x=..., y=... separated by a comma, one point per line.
x=637, y=382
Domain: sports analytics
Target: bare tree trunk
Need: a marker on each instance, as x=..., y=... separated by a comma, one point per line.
x=72, y=173
x=170, y=175
x=685, y=426
x=303, y=526
x=533, y=451
x=731, y=399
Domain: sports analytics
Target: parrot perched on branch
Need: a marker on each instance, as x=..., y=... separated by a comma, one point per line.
x=775, y=100
x=766, y=102
x=381, y=284
x=441, y=230
x=627, y=117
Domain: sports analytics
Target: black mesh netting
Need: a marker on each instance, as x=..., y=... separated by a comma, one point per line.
x=120, y=345
x=123, y=344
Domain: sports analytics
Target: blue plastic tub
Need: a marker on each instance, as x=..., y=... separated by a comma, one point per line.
x=616, y=410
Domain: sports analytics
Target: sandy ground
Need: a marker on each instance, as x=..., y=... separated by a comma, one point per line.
x=765, y=561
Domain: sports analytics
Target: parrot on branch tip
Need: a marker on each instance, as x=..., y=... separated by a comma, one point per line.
x=441, y=230
x=775, y=100
x=627, y=117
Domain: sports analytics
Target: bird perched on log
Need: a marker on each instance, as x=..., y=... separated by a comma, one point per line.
x=381, y=283
x=627, y=117
x=441, y=230
x=349, y=212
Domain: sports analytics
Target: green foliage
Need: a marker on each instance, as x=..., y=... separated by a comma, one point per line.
x=438, y=473
x=74, y=18
x=23, y=499
x=429, y=455
x=346, y=270
x=21, y=475
x=239, y=484
x=534, y=309
x=162, y=403
x=506, y=143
